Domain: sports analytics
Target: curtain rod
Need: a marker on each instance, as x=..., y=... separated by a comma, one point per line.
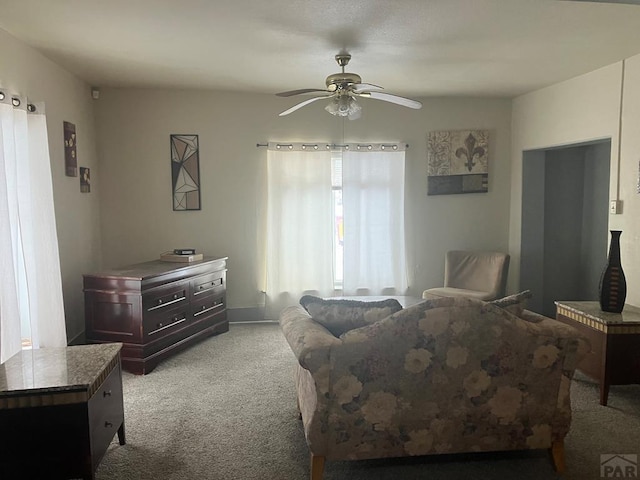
x=15, y=101
x=334, y=145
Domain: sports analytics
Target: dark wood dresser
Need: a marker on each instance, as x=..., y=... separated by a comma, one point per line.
x=156, y=308
x=59, y=410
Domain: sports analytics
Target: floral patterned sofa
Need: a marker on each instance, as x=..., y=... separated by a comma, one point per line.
x=448, y=375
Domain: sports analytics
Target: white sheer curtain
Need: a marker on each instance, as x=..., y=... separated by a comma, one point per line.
x=30, y=282
x=373, y=202
x=299, y=226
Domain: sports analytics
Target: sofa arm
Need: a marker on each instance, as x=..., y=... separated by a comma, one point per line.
x=576, y=347
x=549, y=326
x=311, y=342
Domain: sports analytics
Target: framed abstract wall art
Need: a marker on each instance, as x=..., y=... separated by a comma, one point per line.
x=457, y=162
x=185, y=172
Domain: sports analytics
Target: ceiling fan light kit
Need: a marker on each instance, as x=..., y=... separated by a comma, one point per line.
x=342, y=89
x=344, y=106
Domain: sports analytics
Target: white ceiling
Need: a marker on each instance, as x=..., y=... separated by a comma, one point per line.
x=411, y=47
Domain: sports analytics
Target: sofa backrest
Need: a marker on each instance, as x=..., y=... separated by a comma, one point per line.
x=447, y=375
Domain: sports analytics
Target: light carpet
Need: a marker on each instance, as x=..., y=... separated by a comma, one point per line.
x=225, y=409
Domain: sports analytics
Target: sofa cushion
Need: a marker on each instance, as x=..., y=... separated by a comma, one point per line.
x=515, y=303
x=341, y=315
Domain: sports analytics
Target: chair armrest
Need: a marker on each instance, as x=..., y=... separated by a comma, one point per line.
x=311, y=342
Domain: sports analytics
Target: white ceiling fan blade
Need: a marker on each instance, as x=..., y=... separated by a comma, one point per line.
x=291, y=93
x=365, y=87
x=302, y=104
x=387, y=97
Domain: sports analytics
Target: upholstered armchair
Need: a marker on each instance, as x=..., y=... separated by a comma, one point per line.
x=448, y=375
x=481, y=275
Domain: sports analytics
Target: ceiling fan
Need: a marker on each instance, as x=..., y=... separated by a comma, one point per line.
x=342, y=89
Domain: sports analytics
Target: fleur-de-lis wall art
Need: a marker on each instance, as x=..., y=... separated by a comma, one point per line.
x=458, y=162
x=470, y=151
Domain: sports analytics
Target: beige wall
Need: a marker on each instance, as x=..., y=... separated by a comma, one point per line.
x=26, y=72
x=128, y=216
x=138, y=222
x=583, y=109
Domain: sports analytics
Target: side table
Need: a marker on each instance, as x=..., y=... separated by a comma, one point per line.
x=614, y=358
x=59, y=410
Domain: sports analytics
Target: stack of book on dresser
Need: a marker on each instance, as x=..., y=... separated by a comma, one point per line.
x=185, y=255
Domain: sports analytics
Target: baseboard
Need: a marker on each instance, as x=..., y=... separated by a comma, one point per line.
x=251, y=314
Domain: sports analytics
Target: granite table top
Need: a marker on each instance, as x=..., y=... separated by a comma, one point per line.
x=630, y=314
x=57, y=370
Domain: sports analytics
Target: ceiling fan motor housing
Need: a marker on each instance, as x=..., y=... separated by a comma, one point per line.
x=342, y=80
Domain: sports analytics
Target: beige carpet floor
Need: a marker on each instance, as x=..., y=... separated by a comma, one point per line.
x=225, y=409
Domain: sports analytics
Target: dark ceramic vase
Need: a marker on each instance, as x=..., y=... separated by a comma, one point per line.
x=613, y=285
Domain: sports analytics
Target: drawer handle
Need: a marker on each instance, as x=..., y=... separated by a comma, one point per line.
x=108, y=424
x=106, y=393
x=204, y=308
x=203, y=287
x=162, y=326
x=160, y=303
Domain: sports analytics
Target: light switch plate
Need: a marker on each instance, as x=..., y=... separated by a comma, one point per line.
x=615, y=206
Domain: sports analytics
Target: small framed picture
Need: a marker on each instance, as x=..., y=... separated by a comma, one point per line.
x=70, y=157
x=85, y=180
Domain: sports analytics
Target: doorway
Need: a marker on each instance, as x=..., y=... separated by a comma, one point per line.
x=565, y=218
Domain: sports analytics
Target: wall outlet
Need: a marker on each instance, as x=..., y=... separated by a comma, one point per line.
x=615, y=207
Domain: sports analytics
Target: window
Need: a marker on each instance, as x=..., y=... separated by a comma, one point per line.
x=335, y=222
x=31, y=305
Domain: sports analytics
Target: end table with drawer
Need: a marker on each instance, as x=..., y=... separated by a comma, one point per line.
x=614, y=357
x=60, y=408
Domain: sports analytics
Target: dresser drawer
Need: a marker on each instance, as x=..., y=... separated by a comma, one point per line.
x=106, y=414
x=168, y=296
x=159, y=323
x=209, y=305
x=207, y=284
